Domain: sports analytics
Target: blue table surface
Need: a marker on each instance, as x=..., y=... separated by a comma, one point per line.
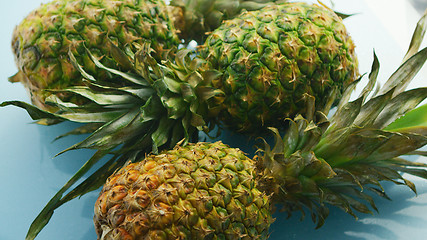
x=30, y=175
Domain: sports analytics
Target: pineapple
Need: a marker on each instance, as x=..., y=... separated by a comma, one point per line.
x=198, y=191
x=213, y=191
x=272, y=57
x=43, y=40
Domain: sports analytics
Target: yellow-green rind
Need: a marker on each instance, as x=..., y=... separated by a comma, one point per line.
x=272, y=57
x=194, y=19
x=41, y=42
x=198, y=191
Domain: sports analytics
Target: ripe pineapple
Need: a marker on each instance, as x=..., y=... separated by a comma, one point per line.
x=272, y=57
x=212, y=191
x=198, y=191
x=43, y=40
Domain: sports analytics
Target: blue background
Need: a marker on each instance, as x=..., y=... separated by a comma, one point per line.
x=30, y=176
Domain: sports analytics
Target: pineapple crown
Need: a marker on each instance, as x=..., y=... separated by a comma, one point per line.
x=153, y=102
x=149, y=107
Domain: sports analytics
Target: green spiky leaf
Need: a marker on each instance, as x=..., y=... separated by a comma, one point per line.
x=35, y=113
x=405, y=73
x=417, y=37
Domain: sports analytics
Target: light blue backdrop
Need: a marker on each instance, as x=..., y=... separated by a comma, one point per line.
x=30, y=176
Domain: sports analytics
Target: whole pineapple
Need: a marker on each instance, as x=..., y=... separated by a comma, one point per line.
x=272, y=57
x=43, y=40
x=198, y=191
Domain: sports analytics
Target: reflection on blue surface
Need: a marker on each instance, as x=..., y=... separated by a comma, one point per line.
x=402, y=218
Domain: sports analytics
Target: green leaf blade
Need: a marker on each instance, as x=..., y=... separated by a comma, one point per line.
x=414, y=118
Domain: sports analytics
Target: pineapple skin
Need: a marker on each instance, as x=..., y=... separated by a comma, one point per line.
x=42, y=41
x=198, y=191
x=272, y=57
x=194, y=19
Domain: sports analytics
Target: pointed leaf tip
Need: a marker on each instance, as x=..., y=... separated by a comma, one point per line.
x=417, y=37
